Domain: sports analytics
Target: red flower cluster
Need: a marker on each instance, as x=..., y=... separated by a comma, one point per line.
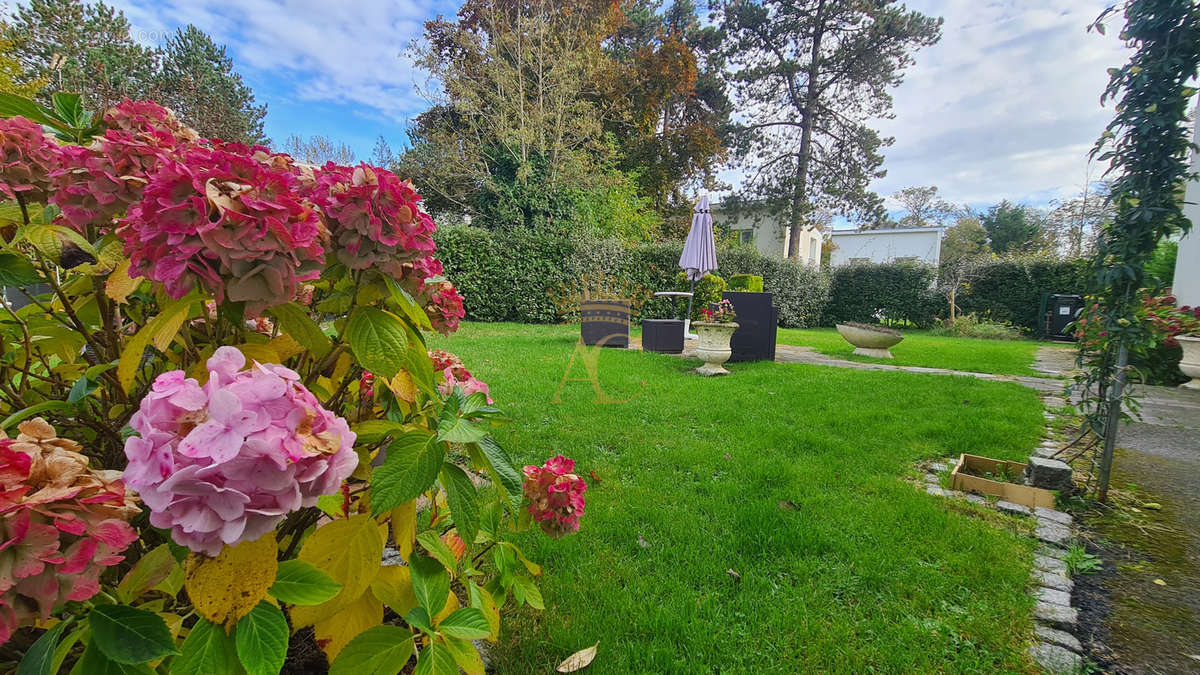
x=456, y=374
x=555, y=496
x=61, y=524
x=1169, y=320
x=27, y=158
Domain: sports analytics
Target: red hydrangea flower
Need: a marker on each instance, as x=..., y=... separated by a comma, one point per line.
x=27, y=158
x=456, y=375
x=555, y=496
x=61, y=524
x=445, y=308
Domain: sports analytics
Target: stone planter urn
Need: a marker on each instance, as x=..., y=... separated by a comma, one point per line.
x=1190, y=363
x=714, y=346
x=872, y=341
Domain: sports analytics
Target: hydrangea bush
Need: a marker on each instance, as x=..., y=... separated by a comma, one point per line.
x=261, y=441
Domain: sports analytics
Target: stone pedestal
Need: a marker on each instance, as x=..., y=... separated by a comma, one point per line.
x=1048, y=474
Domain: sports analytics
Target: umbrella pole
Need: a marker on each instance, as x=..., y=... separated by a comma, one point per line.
x=687, y=319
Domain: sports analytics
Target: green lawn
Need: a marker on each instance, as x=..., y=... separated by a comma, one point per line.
x=919, y=348
x=789, y=475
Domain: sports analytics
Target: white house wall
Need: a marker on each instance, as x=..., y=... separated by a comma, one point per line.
x=880, y=246
x=770, y=236
x=1187, y=264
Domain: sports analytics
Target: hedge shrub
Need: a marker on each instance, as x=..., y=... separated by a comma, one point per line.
x=1010, y=290
x=528, y=277
x=892, y=292
x=750, y=283
x=708, y=289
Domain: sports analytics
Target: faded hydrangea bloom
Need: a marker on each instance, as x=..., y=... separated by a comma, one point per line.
x=555, y=496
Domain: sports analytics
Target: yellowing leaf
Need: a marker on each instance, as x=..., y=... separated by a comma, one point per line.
x=159, y=331
x=482, y=600
x=335, y=632
x=225, y=588
x=285, y=347
x=393, y=587
x=348, y=551
x=260, y=353
x=1160, y=582
x=451, y=607
x=404, y=527
x=465, y=655
x=119, y=284
x=152, y=569
x=579, y=660
x=402, y=386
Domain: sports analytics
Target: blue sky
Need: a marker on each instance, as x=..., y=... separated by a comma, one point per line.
x=1006, y=106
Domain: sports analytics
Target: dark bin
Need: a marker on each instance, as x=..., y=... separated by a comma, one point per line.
x=662, y=335
x=1059, y=311
x=605, y=323
x=757, y=319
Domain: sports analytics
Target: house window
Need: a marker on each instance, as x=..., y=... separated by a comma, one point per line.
x=813, y=256
x=746, y=236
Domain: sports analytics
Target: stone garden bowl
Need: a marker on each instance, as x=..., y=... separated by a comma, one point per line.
x=868, y=340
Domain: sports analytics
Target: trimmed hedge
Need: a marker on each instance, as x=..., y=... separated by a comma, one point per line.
x=708, y=289
x=750, y=283
x=1010, y=290
x=868, y=292
x=530, y=277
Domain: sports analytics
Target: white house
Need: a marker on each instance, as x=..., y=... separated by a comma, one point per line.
x=1187, y=264
x=768, y=233
x=915, y=244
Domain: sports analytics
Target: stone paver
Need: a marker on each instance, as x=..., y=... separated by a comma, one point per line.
x=937, y=491
x=1058, y=616
x=1055, y=659
x=1047, y=564
x=1058, y=637
x=976, y=499
x=1043, y=513
x=1053, y=533
x=1054, y=596
x=1053, y=580
x=1013, y=508
x=1049, y=474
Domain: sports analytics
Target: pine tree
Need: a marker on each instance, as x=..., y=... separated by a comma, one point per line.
x=197, y=80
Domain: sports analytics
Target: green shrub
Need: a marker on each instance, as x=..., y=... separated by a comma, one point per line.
x=971, y=326
x=708, y=289
x=893, y=292
x=1010, y=290
x=751, y=283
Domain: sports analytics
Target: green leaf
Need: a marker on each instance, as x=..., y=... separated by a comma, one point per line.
x=299, y=583
x=435, y=659
x=147, y=573
x=16, y=270
x=159, y=331
x=95, y=662
x=417, y=617
x=526, y=591
x=510, y=478
x=206, y=650
x=32, y=410
x=379, y=341
x=81, y=389
x=455, y=429
x=295, y=321
x=128, y=635
x=431, y=582
x=261, y=638
x=438, y=549
x=39, y=659
x=463, y=501
x=382, y=650
x=373, y=431
x=467, y=623
x=405, y=302
x=68, y=107
x=412, y=465
x=12, y=105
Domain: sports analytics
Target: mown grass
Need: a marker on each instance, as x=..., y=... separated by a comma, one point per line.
x=788, y=475
x=920, y=348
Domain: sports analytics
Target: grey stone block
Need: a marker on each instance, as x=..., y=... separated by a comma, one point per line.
x=938, y=467
x=1013, y=508
x=932, y=479
x=1051, y=552
x=1057, y=616
x=1048, y=474
x=1044, y=452
x=1058, y=637
x=1048, y=564
x=1054, y=596
x=1052, y=515
x=1055, y=659
x=937, y=491
x=1053, y=533
x=1053, y=580
x=976, y=499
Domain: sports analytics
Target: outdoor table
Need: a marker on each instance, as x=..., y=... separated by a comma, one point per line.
x=687, y=320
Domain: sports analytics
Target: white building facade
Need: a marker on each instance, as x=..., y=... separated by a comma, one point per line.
x=1187, y=264
x=907, y=244
x=770, y=235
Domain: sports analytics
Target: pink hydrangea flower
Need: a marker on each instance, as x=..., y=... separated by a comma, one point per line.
x=555, y=496
x=456, y=375
x=223, y=463
x=445, y=308
x=27, y=158
x=61, y=525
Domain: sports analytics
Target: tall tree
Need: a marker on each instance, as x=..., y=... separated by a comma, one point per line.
x=84, y=48
x=382, y=154
x=810, y=74
x=1079, y=219
x=1016, y=228
x=923, y=207
x=318, y=150
x=964, y=240
x=13, y=79
x=198, y=81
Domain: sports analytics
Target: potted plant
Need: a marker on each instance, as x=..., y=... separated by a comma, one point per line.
x=715, y=329
x=1182, y=326
x=870, y=340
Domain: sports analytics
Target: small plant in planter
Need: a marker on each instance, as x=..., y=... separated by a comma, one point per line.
x=870, y=340
x=715, y=329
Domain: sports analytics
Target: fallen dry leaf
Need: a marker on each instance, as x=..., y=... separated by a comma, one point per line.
x=595, y=478
x=788, y=505
x=736, y=577
x=1160, y=582
x=579, y=660
x=642, y=542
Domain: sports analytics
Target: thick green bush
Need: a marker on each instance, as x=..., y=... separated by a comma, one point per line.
x=708, y=289
x=517, y=275
x=1010, y=289
x=751, y=283
x=891, y=292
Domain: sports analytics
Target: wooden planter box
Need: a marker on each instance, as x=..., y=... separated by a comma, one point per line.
x=1010, y=492
x=757, y=320
x=605, y=323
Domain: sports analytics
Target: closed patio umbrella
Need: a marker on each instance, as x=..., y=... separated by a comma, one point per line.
x=699, y=252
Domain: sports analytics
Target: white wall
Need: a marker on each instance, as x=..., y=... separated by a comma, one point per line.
x=1187, y=266
x=879, y=246
x=770, y=235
